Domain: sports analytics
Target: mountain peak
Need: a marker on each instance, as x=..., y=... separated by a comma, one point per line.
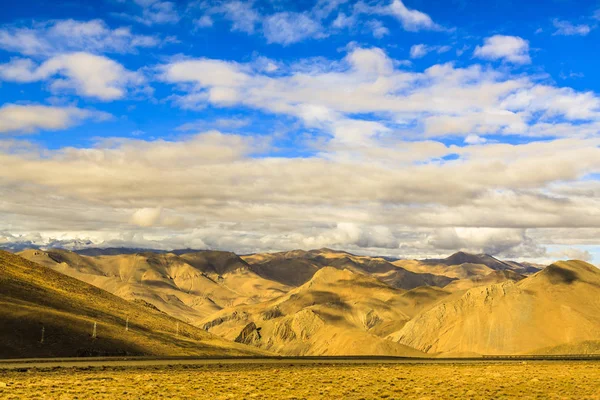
x=569, y=272
x=462, y=257
x=331, y=274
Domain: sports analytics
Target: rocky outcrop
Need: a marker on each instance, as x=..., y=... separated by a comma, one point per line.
x=272, y=313
x=218, y=321
x=372, y=319
x=249, y=335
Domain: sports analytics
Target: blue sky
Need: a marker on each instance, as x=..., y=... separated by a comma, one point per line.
x=406, y=128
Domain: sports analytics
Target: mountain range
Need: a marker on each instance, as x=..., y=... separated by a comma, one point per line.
x=326, y=302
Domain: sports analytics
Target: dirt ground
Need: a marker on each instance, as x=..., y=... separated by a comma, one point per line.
x=523, y=380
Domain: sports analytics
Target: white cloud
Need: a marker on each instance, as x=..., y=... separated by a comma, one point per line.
x=157, y=12
x=566, y=28
x=146, y=217
x=60, y=36
x=323, y=8
x=377, y=28
x=475, y=139
x=87, y=74
x=371, y=116
x=571, y=254
x=510, y=48
x=204, y=21
x=472, y=100
x=208, y=188
x=418, y=51
x=553, y=101
x=411, y=20
x=289, y=27
x=421, y=50
x=16, y=118
x=344, y=21
x=346, y=234
x=508, y=243
x=243, y=16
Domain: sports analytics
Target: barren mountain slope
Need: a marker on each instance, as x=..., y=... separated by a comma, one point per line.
x=461, y=271
x=461, y=257
x=486, y=280
x=189, y=287
x=35, y=299
x=337, y=312
x=559, y=305
x=297, y=267
x=289, y=268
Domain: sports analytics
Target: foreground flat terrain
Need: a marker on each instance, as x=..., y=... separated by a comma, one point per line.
x=529, y=380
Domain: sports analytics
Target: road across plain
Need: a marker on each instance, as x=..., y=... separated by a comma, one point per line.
x=108, y=362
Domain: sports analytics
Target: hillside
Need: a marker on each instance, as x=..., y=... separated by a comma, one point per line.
x=35, y=299
x=485, y=280
x=188, y=287
x=336, y=312
x=338, y=303
x=298, y=267
x=469, y=269
x=461, y=257
x=558, y=306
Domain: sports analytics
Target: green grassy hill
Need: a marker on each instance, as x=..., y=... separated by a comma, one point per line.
x=33, y=297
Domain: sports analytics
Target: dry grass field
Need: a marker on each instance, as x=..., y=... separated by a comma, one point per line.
x=530, y=380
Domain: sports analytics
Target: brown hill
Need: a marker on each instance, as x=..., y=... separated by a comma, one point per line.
x=35, y=299
x=469, y=270
x=559, y=305
x=298, y=267
x=486, y=280
x=461, y=271
x=337, y=312
x=189, y=287
x=467, y=258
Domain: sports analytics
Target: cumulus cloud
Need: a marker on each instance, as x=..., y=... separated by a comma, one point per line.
x=204, y=21
x=475, y=139
x=61, y=36
x=411, y=20
x=16, y=118
x=418, y=51
x=146, y=217
x=289, y=27
x=86, y=74
x=501, y=242
x=157, y=12
x=421, y=50
x=391, y=187
x=346, y=235
x=571, y=254
x=213, y=179
x=471, y=100
x=566, y=28
x=509, y=48
x=344, y=20
x=242, y=15
x=377, y=28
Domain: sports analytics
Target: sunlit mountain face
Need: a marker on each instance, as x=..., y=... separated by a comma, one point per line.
x=406, y=129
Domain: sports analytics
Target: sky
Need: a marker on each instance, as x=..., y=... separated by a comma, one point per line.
x=404, y=128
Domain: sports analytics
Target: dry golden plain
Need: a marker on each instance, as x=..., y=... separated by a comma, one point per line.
x=481, y=380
